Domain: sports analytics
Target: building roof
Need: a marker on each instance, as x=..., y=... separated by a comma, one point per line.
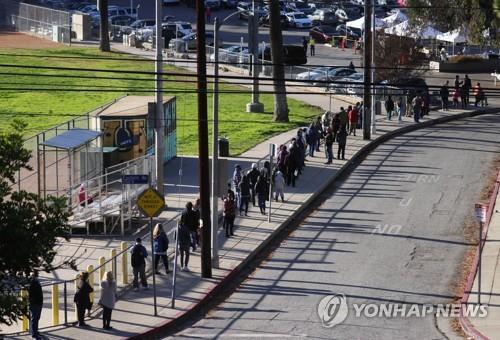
x=130, y=106
x=72, y=139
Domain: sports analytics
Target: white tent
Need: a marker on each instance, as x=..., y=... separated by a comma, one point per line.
x=405, y=30
x=360, y=23
x=456, y=36
x=395, y=19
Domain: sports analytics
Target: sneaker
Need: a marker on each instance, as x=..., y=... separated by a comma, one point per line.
x=157, y=273
x=186, y=269
x=136, y=289
x=145, y=288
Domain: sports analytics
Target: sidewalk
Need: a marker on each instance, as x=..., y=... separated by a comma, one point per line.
x=133, y=314
x=489, y=327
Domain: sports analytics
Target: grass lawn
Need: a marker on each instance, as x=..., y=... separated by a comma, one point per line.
x=45, y=108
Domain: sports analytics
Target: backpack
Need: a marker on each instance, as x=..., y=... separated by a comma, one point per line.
x=137, y=258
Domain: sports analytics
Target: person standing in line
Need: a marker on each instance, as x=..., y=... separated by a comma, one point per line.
x=329, y=145
x=319, y=132
x=468, y=87
x=291, y=163
x=245, y=193
x=197, y=212
x=282, y=154
x=138, y=261
x=82, y=297
x=353, y=120
x=311, y=139
x=336, y=125
x=252, y=176
x=160, y=246
x=184, y=242
x=417, y=107
x=236, y=183
x=312, y=46
x=389, y=107
x=444, y=93
x=189, y=219
x=343, y=118
x=463, y=96
x=35, y=299
x=300, y=143
x=399, y=109
x=304, y=44
x=229, y=213
x=458, y=82
x=342, y=141
x=279, y=185
x=108, y=298
x=455, y=97
x=261, y=190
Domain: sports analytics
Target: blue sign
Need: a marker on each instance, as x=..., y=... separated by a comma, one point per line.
x=135, y=179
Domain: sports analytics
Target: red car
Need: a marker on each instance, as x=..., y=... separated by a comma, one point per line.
x=322, y=33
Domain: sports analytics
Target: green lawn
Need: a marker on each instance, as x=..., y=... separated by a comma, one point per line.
x=42, y=109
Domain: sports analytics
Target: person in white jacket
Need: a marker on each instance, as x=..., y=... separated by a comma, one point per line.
x=108, y=298
x=279, y=186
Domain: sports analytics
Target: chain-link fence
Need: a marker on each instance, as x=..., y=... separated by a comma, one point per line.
x=44, y=22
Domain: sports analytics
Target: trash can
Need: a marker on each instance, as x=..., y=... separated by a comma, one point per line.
x=223, y=147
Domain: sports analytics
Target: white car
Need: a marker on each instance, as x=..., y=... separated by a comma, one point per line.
x=352, y=84
x=299, y=20
x=314, y=73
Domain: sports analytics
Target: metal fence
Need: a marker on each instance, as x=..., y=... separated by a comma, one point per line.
x=44, y=22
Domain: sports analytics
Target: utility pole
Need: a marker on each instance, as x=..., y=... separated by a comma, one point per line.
x=366, y=75
x=206, y=265
x=159, y=115
x=253, y=31
x=215, y=149
x=373, y=128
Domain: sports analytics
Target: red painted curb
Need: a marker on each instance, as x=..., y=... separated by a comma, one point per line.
x=467, y=326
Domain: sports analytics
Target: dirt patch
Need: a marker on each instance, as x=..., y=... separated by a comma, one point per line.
x=22, y=40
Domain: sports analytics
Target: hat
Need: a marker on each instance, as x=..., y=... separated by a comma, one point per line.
x=237, y=166
x=138, y=240
x=254, y=165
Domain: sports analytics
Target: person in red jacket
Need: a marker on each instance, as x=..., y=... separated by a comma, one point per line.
x=353, y=120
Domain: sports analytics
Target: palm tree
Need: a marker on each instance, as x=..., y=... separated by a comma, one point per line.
x=280, y=103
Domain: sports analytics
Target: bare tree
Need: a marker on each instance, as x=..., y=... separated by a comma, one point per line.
x=280, y=103
x=103, y=26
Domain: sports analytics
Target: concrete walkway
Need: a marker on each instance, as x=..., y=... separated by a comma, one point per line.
x=134, y=311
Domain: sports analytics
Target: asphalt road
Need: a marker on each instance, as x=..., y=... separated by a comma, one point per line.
x=391, y=232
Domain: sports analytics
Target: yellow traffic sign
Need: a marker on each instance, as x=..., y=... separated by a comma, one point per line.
x=150, y=202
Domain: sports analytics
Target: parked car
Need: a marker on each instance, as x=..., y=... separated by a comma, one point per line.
x=332, y=75
x=302, y=7
x=264, y=21
x=292, y=54
x=170, y=2
x=299, y=20
x=245, y=8
x=352, y=84
x=191, y=41
x=315, y=73
x=323, y=16
x=213, y=4
x=230, y=54
x=229, y=3
x=323, y=33
x=142, y=23
x=121, y=20
x=351, y=33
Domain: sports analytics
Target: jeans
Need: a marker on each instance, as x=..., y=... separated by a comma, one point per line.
x=228, y=225
x=194, y=239
x=341, y=151
x=416, y=116
x=184, y=256
x=244, y=204
x=262, y=201
x=139, y=272
x=164, y=259
x=389, y=114
x=80, y=311
x=329, y=152
x=312, y=148
x=106, y=316
x=400, y=114
x=35, y=312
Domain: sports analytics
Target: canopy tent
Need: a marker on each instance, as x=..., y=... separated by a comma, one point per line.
x=405, y=30
x=395, y=19
x=360, y=23
x=455, y=36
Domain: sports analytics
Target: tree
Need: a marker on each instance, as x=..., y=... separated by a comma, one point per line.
x=475, y=16
x=280, y=103
x=103, y=26
x=29, y=226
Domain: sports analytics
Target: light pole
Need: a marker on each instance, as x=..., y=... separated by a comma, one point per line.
x=253, y=31
x=373, y=126
x=215, y=143
x=159, y=100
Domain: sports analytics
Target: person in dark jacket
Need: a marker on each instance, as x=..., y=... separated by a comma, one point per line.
x=138, y=262
x=467, y=88
x=229, y=213
x=190, y=219
x=160, y=246
x=184, y=235
x=335, y=125
x=463, y=96
x=342, y=141
x=245, y=194
x=35, y=299
x=389, y=107
x=329, y=146
x=444, y=93
x=311, y=139
x=82, y=297
x=252, y=176
x=280, y=161
x=261, y=188
x=291, y=163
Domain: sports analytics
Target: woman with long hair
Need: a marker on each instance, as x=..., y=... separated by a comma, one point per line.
x=82, y=297
x=108, y=298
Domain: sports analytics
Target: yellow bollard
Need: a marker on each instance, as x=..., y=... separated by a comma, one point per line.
x=102, y=267
x=90, y=270
x=112, y=255
x=124, y=246
x=77, y=278
x=24, y=319
x=55, y=304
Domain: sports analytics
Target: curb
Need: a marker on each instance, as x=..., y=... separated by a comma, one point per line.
x=466, y=325
x=345, y=169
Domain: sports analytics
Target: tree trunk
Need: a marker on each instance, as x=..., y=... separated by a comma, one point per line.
x=280, y=103
x=103, y=26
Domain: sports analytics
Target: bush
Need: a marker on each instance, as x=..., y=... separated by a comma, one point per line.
x=464, y=59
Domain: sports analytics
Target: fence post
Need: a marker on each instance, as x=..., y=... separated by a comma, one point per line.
x=123, y=247
x=55, y=304
x=25, y=317
x=102, y=267
x=90, y=270
x=112, y=255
